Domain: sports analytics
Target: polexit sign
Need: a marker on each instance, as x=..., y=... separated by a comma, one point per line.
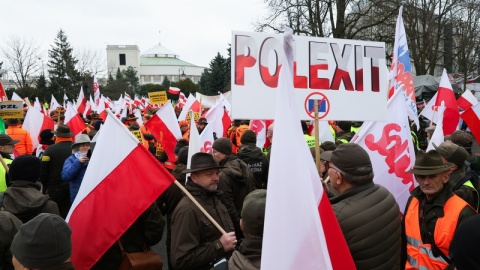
x=350, y=74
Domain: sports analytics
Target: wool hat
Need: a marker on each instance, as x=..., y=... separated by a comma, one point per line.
x=248, y=136
x=180, y=144
x=80, y=139
x=13, y=121
x=223, y=145
x=351, y=158
x=344, y=125
x=25, y=167
x=182, y=155
x=328, y=146
x=63, y=131
x=452, y=153
x=428, y=163
x=464, y=247
x=202, y=161
x=46, y=134
x=42, y=242
x=462, y=138
x=253, y=212
x=7, y=140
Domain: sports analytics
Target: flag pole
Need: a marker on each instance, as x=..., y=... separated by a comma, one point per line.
x=199, y=207
x=317, y=135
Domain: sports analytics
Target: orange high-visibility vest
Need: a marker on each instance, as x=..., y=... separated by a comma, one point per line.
x=420, y=255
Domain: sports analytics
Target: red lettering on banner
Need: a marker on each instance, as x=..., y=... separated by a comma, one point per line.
x=338, y=77
x=315, y=81
x=207, y=147
x=268, y=79
x=397, y=156
x=299, y=81
x=241, y=63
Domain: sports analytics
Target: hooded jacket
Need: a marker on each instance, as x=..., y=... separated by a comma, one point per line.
x=236, y=181
x=25, y=201
x=247, y=256
x=257, y=162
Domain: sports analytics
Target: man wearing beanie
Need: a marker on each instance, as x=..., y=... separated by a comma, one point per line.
x=367, y=213
x=51, y=169
x=9, y=225
x=24, y=198
x=236, y=180
x=254, y=158
x=43, y=243
x=343, y=134
x=249, y=253
x=463, y=180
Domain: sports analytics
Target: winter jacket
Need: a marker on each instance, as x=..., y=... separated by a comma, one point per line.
x=4, y=181
x=73, y=172
x=257, y=162
x=236, y=181
x=370, y=220
x=195, y=240
x=247, y=256
x=9, y=225
x=25, y=201
x=433, y=210
x=465, y=186
x=25, y=146
x=146, y=231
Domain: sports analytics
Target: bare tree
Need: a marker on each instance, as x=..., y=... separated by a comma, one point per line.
x=22, y=59
x=90, y=61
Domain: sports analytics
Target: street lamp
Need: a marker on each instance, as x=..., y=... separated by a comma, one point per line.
x=181, y=72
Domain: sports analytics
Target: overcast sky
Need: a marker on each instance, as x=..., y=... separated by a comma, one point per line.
x=194, y=29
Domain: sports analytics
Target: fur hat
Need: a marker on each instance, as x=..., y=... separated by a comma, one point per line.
x=42, y=242
x=26, y=168
x=248, y=136
x=7, y=140
x=63, y=131
x=202, y=161
x=452, y=153
x=429, y=163
x=223, y=145
x=80, y=139
x=351, y=158
x=253, y=212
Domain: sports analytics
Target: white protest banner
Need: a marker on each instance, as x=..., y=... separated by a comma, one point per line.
x=347, y=77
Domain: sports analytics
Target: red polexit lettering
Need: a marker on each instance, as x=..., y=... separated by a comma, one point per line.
x=299, y=81
x=315, y=81
x=245, y=53
x=241, y=63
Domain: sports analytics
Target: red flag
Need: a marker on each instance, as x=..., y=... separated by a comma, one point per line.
x=81, y=101
x=164, y=127
x=466, y=100
x=174, y=90
x=34, y=123
x=218, y=118
x=451, y=115
x=73, y=120
x=3, y=95
x=472, y=118
x=119, y=176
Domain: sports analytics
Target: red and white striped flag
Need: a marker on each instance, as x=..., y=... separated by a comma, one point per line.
x=466, y=100
x=217, y=117
x=181, y=100
x=311, y=235
x=54, y=104
x=437, y=137
x=451, y=116
x=35, y=122
x=174, y=90
x=73, y=120
x=96, y=91
x=192, y=105
x=109, y=179
x=472, y=118
x=3, y=94
x=81, y=101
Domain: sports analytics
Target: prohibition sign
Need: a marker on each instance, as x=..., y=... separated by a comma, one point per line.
x=323, y=105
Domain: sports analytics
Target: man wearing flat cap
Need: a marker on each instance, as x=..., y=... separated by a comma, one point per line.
x=367, y=213
x=196, y=243
x=432, y=215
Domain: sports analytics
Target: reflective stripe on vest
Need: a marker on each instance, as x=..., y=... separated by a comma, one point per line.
x=420, y=255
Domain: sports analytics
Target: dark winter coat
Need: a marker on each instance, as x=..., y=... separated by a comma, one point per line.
x=146, y=231
x=248, y=255
x=195, y=240
x=73, y=172
x=468, y=194
x=236, y=181
x=370, y=220
x=257, y=162
x=9, y=225
x=25, y=201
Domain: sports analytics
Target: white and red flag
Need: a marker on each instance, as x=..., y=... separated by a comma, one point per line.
x=3, y=94
x=81, y=101
x=472, y=118
x=401, y=70
x=163, y=125
x=466, y=100
x=390, y=147
x=192, y=105
x=199, y=142
x=174, y=90
x=311, y=235
x=451, y=116
x=35, y=122
x=101, y=108
x=182, y=100
x=54, y=104
x=128, y=99
x=217, y=117
x=96, y=91
x=108, y=181
x=437, y=137
x=73, y=120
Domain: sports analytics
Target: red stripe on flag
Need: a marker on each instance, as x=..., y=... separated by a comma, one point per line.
x=107, y=212
x=76, y=124
x=47, y=123
x=226, y=121
x=473, y=121
x=162, y=133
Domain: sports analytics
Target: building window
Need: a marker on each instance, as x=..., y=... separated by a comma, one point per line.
x=157, y=78
x=123, y=62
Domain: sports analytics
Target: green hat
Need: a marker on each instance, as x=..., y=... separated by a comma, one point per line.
x=429, y=163
x=253, y=212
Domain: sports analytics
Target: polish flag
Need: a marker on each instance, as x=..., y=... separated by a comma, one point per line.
x=128, y=99
x=34, y=123
x=317, y=241
x=181, y=100
x=466, y=100
x=54, y=104
x=163, y=125
x=139, y=116
x=174, y=90
x=110, y=184
x=37, y=105
x=81, y=101
x=472, y=118
x=73, y=120
x=218, y=118
x=101, y=108
x=430, y=111
x=192, y=104
x=438, y=137
x=3, y=94
x=199, y=142
x=96, y=91
x=451, y=115
x=390, y=147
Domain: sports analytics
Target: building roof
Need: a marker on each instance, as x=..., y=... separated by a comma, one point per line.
x=163, y=61
x=160, y=51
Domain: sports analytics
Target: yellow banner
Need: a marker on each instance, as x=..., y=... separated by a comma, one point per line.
x=196, y=116
x=11, y=109
x=138, y=134
x=159, y=97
